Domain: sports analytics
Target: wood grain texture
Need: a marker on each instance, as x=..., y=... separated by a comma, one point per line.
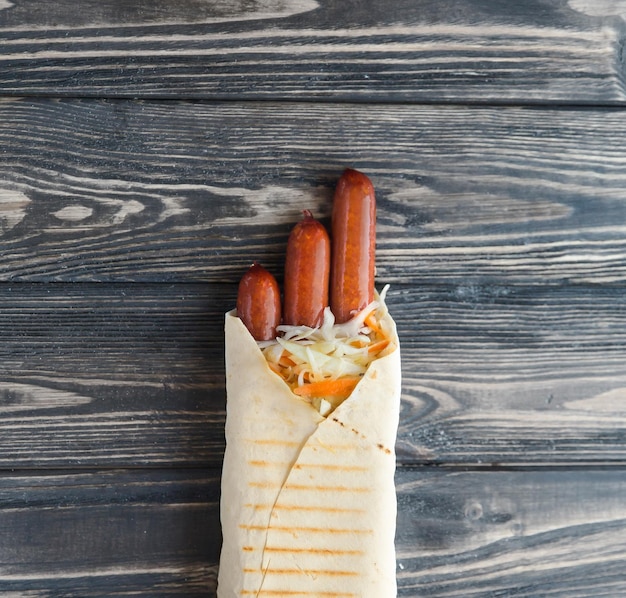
x=97, y=375
x=136, y=191
x=150, y=150
x=521, y=533
x=133, y=375
x=427, y=51
x=109, y=533
x=487, y=366
x=460, y=533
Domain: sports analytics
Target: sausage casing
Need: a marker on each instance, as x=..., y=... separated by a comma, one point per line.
x=353, y=232
x=307, y=272
x=258, y=302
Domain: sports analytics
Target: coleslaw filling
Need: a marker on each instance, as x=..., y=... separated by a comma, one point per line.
x=323, y=365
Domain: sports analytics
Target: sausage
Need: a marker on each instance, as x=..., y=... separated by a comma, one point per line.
x=353, y=232
x=258, y=303
x=307, y=272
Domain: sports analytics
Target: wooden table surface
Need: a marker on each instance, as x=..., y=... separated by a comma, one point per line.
x=150, y=150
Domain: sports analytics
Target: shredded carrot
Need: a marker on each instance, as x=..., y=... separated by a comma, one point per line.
x=372, y=323
x=275, y=367
x=300, y=375
x=358, y=344
x=342, y=387
x=379, y=346
x=286, y=361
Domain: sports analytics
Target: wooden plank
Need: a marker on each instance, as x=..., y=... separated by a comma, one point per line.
x=512, y=533
x=128, y=375
x=134, y=191
x=496, y=374
x=111, y=374
x=428, y=51
x=460, y=533
x=109, y=533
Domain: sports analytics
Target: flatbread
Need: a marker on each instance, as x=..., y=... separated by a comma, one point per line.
x=308, y=505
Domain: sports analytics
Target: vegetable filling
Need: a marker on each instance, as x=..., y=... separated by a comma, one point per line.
x=323, y=365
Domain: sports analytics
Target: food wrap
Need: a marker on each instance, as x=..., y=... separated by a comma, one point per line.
x=308, y=505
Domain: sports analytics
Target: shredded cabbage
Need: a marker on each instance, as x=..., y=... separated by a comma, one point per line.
x=307, y=356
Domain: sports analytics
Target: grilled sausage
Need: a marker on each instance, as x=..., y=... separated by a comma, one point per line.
x=258, y=303
x=307, y=271
x=353, y=233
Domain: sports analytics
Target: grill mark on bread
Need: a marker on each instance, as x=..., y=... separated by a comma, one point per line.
x=330, y=552
x=353, y=430
x=330, y=467
x=298, y=466
x=318, y=572
x=314, y=488
x=313, y=530
x=318, y=488
x=272, y=441
x=277, y=442
x=383, y=448
x=297, y=593
x=312, y=508
x=336, y=448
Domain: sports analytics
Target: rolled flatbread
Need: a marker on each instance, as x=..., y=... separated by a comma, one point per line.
x=308, y=504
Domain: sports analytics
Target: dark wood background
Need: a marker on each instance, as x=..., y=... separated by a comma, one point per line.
x=150, y=150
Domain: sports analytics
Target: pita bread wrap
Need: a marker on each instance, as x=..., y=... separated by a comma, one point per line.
x=308, y=504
